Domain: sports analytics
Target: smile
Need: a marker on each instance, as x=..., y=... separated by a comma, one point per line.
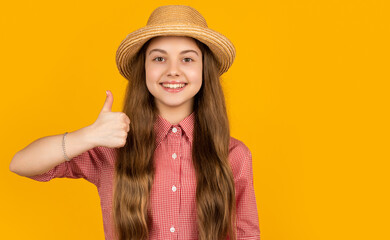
x=173, y=87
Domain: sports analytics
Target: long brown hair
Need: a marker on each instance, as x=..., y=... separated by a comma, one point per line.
x=134, y=169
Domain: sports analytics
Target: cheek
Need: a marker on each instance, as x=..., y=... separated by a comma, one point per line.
x=195, y=75
x=149, y=78
x=152, y=73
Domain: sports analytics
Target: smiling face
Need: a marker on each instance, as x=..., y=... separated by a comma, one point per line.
x=173, y=67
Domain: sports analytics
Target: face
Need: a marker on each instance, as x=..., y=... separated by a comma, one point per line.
x=173, y=68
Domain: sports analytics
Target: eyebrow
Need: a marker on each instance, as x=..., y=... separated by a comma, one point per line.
x=165, y=52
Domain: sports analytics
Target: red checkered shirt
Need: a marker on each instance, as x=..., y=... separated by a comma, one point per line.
x=173, y=206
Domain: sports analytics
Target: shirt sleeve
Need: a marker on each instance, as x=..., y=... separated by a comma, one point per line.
x=87, y=165
x=246, y=207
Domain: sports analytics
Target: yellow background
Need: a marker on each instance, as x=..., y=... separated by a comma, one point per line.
x=308, y=93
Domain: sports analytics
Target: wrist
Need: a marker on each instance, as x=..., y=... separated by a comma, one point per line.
x=86, y=134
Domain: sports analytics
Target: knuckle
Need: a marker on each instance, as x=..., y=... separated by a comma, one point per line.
x=124, y=135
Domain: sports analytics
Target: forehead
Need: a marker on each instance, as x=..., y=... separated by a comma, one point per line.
x=172, y=43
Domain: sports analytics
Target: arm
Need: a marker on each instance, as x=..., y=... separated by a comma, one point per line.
x=45, y=153
x=43, y=159
x=246, y=208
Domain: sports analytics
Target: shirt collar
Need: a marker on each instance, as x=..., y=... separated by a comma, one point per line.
x=162, y=127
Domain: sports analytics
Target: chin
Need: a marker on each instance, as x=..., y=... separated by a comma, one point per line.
x=173, y=104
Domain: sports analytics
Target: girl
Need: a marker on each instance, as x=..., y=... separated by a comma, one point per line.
x=166, y=167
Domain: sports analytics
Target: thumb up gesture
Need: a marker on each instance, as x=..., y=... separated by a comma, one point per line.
x=110, y=128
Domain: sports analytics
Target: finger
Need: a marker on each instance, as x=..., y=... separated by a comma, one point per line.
x=108, y=103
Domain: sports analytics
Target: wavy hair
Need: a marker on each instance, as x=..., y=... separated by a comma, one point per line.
x=134, y=169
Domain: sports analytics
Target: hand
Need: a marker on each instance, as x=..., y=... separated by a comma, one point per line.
x=110, y=128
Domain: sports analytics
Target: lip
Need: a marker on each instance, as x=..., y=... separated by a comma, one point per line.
x=173, y=82
x=173, y=89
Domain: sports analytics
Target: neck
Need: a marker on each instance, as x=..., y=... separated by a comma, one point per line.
x=175, y=115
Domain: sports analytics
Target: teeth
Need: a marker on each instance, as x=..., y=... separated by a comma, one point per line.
x=173, y=85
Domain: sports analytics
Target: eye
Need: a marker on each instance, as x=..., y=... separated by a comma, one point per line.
x=157, y=58
x=160, y=59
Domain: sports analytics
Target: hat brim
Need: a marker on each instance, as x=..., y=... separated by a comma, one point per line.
x=221, y=46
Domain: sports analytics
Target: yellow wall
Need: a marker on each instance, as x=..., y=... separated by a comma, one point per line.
x=308, y=93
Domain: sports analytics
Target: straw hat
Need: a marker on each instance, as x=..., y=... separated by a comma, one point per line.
x=175, y=20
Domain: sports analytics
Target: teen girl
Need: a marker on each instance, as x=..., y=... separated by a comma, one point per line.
x=166, y=167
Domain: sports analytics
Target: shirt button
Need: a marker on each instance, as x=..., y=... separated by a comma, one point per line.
x=174, y=156
x=173, y=188
x=174, y=130
x=172, y=229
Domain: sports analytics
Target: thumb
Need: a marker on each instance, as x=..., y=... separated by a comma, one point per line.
x=108, y=103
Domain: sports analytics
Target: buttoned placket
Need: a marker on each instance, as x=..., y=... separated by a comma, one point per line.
x=175, y=135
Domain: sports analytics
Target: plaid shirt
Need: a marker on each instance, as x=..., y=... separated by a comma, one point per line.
x=172, y=199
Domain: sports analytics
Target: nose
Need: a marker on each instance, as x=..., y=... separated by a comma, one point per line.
x=173, y=69
x=173, y=73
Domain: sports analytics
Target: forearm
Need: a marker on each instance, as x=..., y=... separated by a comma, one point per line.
x=45, y=153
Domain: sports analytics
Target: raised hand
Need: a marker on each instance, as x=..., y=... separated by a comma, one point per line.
x=110, y=128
